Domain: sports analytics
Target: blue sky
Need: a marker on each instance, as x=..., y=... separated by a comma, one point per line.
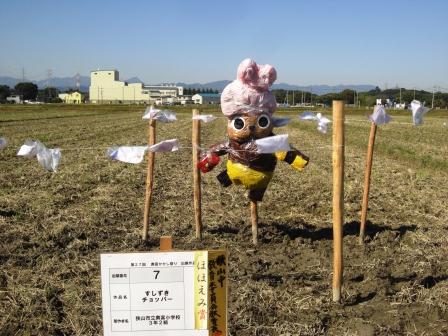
x=309, y=42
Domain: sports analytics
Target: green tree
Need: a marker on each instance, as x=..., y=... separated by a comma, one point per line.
x=27, y=90
x=48, y=95
x=326, y=99
x=348, y=96
x=4, y=92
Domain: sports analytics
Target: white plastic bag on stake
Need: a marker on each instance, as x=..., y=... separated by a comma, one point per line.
x=128, y=154
x=47, y=158
x=379, y=116
x=165, y=116
x=28, y=149
x=272, y=144
x=3, y=143
x=171, y=145
x=322, y=122
x=418, y=111
x=204, y=117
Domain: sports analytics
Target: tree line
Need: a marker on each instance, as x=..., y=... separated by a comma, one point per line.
x=30, y=91
x=352, y=97
x=192, y=91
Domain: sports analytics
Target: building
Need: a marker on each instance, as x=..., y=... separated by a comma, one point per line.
x=106, y=88
x=384, y=102
x=74, y=98
x=62, y=96
x=14, y=99
x=206, y=98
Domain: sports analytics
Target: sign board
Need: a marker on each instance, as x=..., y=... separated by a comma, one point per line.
x=164, y=293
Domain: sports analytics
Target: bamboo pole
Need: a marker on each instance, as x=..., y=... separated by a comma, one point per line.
x=196, y=140
x=149, y=179
x=365, y=196
x=254, y=221
x=338, y=196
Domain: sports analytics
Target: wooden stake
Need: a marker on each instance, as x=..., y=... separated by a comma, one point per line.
x=166, y=243
x=365, y=196
x=254, y=221
x=195, y=141
x=338, y=196
x=149, y=179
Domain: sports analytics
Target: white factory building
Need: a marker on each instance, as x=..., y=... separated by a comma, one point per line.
x=106, y=88
x=206, y=98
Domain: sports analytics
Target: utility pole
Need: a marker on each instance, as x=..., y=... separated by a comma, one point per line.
x=293, y=98
x=400, y=96
x=23, y=74
x=433, y=92
x=414, y=93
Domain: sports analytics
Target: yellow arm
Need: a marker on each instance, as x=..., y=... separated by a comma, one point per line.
x=295, y=158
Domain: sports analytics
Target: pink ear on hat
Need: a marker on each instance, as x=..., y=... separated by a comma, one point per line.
x=249, y=93
x=266, y=76
x=247, y=72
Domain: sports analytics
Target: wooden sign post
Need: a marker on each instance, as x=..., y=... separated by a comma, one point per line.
x=166, y=243
x=196, y=141
x=149, y=179
x=365, y=196
x=338, y=196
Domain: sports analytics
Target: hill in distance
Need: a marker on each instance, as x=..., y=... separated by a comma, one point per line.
x=65, y=83
x=316, y=89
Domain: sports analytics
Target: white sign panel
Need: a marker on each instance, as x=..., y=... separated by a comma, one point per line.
x=149, y=294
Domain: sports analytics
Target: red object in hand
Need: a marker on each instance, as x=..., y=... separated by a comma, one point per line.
x=208, y=162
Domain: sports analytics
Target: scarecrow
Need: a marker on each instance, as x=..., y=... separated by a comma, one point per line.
x=249, y=105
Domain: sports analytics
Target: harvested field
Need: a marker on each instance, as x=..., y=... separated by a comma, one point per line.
x=53, y=227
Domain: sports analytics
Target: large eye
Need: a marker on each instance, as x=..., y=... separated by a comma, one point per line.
x=263, y=121
x=238, y=123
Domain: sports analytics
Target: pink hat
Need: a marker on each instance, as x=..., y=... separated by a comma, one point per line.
x=249, y=93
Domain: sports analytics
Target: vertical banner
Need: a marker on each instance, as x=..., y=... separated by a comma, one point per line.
x=218, y=277
x=200, y=289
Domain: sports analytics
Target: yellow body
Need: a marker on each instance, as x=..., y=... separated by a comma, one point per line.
x=248, y=177
x=299, y=162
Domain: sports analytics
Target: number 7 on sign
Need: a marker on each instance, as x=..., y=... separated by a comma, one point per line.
x=157, y=274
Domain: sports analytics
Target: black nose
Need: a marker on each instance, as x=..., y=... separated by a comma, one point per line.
x=251, y=128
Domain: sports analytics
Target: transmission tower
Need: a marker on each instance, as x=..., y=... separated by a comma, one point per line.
x=49, y=77
x=78, y=81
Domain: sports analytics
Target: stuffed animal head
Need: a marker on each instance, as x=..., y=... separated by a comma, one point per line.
x=248, y=103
